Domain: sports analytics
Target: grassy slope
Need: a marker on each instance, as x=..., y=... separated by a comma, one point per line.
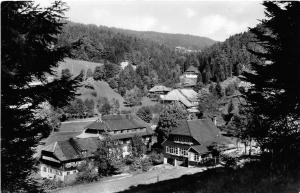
x=101, y=87
x=75, y=66
x=103, y=90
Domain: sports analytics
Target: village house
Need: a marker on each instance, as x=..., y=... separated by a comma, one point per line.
x=188, y=143
x=61, y=158
x=186, y=97
x=122, y=128
x=158, y=91
x=189, y=77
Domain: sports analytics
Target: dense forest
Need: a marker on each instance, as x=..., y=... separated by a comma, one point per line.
x=155, y=60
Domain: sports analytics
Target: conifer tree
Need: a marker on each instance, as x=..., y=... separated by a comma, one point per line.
x=29, y=53
x=274, y=96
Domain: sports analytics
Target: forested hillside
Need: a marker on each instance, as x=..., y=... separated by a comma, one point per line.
x=231, y=57
x=172, y=40
x=154, y=57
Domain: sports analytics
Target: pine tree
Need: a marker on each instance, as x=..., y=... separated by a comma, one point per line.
x=29, y=52
x=274, y=96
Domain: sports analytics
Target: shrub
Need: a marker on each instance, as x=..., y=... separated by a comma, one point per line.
x=145, y=164
x=87, y=176
x=136, y=164
x=52, y=184
x=128, y=160
x=156, y=158
x=230, y=162
x=145, y=114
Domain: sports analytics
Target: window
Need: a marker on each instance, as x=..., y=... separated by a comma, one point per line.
x=172, y=150
x=50, y=170
x=68, y=173
x=196, y=157
x=45, y=169
x=185, y=152
x=167, y=149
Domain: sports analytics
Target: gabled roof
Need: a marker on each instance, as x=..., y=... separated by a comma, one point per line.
x=201, y=149
x=60, y=136
x=117, y=122
x=72, y=148
x=185, y=96
x=202, y=130
x=160, y=88
x=192, y=69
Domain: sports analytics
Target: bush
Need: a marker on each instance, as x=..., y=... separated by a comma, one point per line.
x=230, y=162
x=136, y=164
x=87, y=176
x=156, y=158
x=140, y=164
x=128, y=160
x=52, y=184
x=145, y=164
x=145, y=114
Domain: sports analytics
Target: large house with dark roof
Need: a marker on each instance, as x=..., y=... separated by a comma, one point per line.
x=61, y=158
x=188, y=143
x=121, y=128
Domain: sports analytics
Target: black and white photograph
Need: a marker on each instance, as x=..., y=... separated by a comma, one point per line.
x=150, y=96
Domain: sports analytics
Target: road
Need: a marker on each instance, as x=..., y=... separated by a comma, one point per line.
x=124, y=182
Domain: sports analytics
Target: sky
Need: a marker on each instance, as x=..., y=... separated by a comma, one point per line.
x=214, y=19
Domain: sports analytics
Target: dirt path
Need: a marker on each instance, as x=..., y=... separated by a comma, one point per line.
x=124, y=182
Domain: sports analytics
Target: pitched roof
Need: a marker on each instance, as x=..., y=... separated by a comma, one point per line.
x=160, y=88
x=72, y=148
x=201, y=149
x=202, y=130
x=118, y=122
x=192, y=69
x=59, y=136
x=185, y=96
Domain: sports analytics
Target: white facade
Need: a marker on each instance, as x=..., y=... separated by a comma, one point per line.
x=190, y=75
x=54, y=173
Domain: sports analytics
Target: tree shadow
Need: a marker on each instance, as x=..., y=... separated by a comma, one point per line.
x=250, y=178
